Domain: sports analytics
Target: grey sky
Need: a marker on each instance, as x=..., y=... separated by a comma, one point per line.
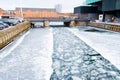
x=67, y=5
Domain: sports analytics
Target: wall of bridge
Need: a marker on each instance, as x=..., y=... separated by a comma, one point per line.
x=46, y=23
x=8, y=35
x=69, y=23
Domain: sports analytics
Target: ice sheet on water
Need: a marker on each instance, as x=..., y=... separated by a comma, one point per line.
x=73, y=59
x=105, y=42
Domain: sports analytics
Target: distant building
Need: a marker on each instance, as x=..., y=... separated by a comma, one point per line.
x=97, y=3
x=90, y=11
x=38, y=12
x=85, y=9
x=9, y=12
x=105, y=8
x=92, y=1
x=35, y=13
x=58, y=8
x=86, y=12
x=66, y=15
x=111, y=8
x=1, y=11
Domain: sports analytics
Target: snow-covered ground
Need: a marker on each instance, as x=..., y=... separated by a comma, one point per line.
x=62, y=54
x=29, y=57
x=107, y=43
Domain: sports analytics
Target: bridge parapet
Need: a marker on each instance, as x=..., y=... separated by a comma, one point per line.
x=46, y=24
x=67, y=22
x=55, y=20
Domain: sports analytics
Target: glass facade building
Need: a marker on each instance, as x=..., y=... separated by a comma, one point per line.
x=108, y=8
x=112, y=5
x=92, y=1
x=118, y=4
x=85, y=9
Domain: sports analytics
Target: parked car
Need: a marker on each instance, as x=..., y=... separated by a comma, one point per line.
x=2, y=26
x=10, y=22
x=19, y=19
x=5, y=24
x=14, y=21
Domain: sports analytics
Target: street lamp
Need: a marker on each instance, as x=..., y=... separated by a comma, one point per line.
x=21, y=11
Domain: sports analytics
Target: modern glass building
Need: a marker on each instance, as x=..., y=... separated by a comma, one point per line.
x=107, y=8
x=92, y=9
x=92, y=1
x=111, y=5
x=85, y=9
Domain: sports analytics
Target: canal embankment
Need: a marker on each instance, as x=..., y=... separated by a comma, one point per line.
x=8, y=35
x=109, y=26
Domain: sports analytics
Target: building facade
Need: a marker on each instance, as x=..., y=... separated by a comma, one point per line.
x=107, y=8
x=1, y=12
x=110, y=8
x=92, y=1
x=86, y=12
x=35, y=13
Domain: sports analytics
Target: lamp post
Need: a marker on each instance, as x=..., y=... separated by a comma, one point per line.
x=21, y=11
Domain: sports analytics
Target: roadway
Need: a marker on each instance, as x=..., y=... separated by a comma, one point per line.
x=61, y=54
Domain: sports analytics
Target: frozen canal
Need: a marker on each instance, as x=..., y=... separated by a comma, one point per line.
x=56, y=54
x=30, y=57
x=73, y=59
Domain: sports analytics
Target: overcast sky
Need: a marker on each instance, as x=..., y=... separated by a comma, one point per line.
x=67, y=5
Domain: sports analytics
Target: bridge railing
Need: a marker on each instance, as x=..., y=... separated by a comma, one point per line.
x=8, y=35
x=55, y=19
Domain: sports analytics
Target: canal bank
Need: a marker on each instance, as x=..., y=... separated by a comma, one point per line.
x=105, y=42
x=106, y=25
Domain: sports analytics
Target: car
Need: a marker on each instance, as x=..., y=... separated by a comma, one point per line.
x=10, y=22
x=5, y=24
x=2, y=26
x=19, y=19
x=14, y=21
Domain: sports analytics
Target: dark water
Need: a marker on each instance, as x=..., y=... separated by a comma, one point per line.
x=73, y=59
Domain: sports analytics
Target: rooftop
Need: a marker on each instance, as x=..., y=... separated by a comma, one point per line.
x=92, y=1
x=18, y=8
